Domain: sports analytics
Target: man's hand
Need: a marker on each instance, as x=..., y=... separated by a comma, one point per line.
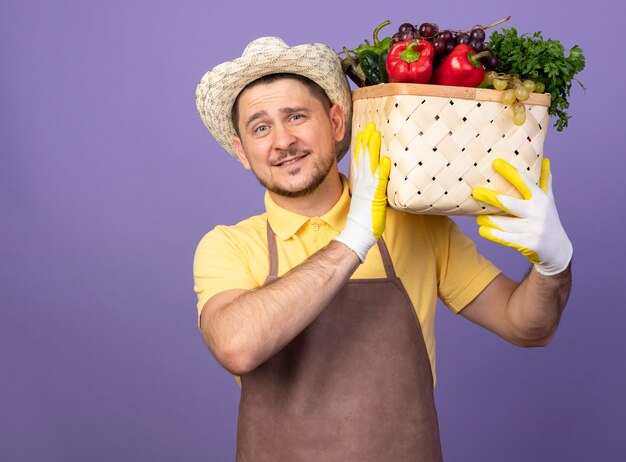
x=534, y=227
x=366, y=219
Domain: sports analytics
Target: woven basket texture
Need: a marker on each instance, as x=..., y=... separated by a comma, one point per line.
x=441, y=147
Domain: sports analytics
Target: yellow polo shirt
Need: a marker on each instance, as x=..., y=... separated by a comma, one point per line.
x=430, y=254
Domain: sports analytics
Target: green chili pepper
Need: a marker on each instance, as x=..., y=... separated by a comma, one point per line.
x=386, y=42
x=364, y=47
x=379, y=45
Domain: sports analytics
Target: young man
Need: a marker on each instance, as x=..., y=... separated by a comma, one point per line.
x=324, y=305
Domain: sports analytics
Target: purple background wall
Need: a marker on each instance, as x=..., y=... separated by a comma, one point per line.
x=108, y=180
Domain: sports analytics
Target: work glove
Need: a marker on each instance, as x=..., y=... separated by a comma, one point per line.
x=369, y=175
x=534, y=227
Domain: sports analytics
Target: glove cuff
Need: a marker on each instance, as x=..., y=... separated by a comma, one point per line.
x=356, y=239
x=560, y=264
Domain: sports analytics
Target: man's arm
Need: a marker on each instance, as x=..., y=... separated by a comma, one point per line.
x=527, y=313
x=245, y=328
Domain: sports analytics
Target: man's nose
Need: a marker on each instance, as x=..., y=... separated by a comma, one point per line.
x=284, y=137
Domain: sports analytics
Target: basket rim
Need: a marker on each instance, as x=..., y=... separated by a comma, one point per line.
x=446, y=91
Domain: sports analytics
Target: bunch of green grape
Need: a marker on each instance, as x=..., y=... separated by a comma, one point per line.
x=515, y=92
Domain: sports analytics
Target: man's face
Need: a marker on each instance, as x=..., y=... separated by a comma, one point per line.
x=287, y=136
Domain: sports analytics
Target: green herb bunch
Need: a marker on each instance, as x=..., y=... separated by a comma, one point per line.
x=532, y=57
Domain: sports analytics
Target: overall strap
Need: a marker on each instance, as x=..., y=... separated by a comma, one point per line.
x=273, y=253
x=384, y=254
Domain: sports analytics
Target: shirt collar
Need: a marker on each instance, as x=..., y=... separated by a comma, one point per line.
x=286, y=223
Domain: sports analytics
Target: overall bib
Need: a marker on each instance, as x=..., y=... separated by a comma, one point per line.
x=355, y=385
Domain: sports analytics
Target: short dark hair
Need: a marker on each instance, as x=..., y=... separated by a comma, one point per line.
x=317, y=91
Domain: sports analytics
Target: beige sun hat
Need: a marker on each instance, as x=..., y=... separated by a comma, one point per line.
x=219, y=87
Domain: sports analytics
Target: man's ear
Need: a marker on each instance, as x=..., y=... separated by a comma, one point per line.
x=241, y=154
x=338, y=120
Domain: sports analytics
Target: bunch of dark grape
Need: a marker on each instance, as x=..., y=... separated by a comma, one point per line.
x=444, y=41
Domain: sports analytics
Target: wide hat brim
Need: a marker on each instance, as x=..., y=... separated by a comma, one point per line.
x=219, y=87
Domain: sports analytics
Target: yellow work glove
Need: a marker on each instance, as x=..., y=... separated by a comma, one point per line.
x=366, y=218
x=534, y=227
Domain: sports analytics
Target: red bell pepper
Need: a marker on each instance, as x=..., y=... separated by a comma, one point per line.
x=460, y=68
x=410, y=61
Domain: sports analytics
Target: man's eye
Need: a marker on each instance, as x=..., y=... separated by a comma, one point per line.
x=260, y=129
x=297, y=117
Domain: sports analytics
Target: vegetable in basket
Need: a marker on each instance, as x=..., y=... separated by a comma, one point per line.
x=410, y=61
x=352, y=68
x=379, y=45
x=542, y=61
x=461, y=68
x=370, y=63
x=367, y=66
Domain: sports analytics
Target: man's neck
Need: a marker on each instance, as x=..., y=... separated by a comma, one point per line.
x=318, y=202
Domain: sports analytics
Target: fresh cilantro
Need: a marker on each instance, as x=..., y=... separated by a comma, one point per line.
x=532, y=57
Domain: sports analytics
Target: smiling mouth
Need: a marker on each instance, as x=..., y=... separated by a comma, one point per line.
x=291, y=160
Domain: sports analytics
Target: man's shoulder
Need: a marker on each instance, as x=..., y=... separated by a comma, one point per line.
x=252, y=223
x=249, y=230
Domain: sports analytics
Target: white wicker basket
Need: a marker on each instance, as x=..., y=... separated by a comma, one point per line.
x=442, y=141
